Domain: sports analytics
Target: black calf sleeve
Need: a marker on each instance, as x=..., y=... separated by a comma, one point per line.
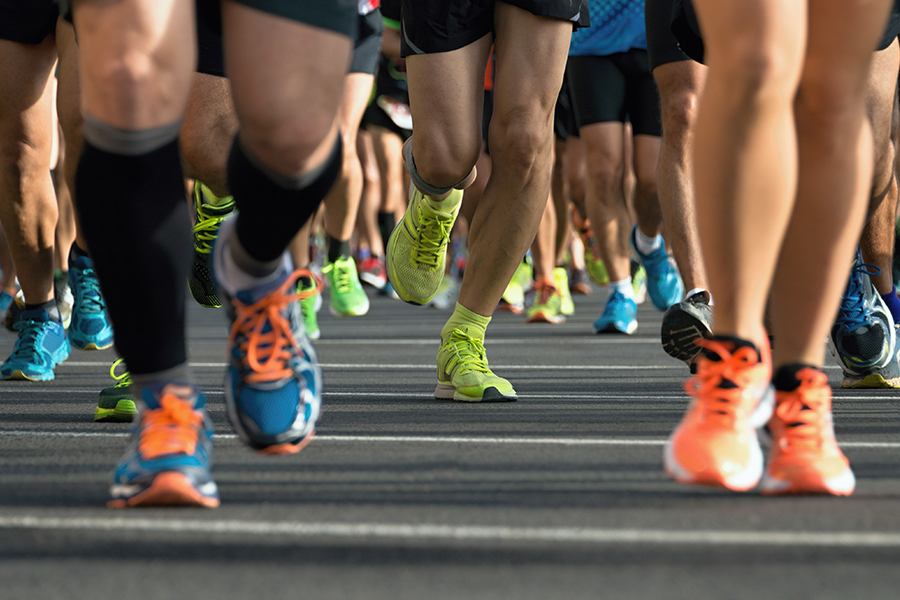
x=271, y=213
x=135, y=218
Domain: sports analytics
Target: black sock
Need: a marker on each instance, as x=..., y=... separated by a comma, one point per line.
x=786, y=380
x=269, y=213
x=337, y=248
x=386, y=223
x=136, y=221
x=49, y=306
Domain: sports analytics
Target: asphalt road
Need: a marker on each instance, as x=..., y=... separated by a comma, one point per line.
x=558, y=495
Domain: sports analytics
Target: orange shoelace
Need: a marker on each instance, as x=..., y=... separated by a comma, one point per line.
x=805, y=411
x=267, y=353
x=169, y=429
x=737, y=370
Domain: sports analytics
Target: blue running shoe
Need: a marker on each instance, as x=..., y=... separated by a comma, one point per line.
x=167, y=462
x=862, y=338
x=5, y=299
x=273, y=385
x=664, y=284
x=41, y=345
x=90, y=328
x=619, y=316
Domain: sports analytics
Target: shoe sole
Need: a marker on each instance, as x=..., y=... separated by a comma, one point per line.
x=124, y=412
x=679, y=332
x=167, y=489
x=19, y=375
x=611, y=328
x=375, y=282
x=540, y=317
x=446, y=391
x=357, y=312
x=872, y=381
x=286, y=449
x=811, y=483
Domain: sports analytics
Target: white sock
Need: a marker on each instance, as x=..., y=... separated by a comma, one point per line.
x=624, y=287
x=647, y=245
x=230, y=275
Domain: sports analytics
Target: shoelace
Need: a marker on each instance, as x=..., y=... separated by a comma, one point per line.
x=267, y=352
x=805, y=410
x=205, y=230
x=853, y=313
x=432, y=235
x=169, y=429
x=545, y=293
x=123, y=380
x=469, y=351
x=26, y=347
x=87, y=289
x=343, y=274
x=717, y=402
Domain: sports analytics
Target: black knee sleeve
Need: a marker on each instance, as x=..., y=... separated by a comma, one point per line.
x=270, y=213
x=134, y=215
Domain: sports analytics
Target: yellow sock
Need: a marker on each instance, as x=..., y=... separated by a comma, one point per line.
x=464, y=319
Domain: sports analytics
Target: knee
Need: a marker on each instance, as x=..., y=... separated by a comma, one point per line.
x=679, y=113
x=759, y=72
x=520, y=141
x=286, y=145
x=607, y=178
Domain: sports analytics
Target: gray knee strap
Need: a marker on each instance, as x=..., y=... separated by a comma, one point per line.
x=417, y=179
x=128, y=142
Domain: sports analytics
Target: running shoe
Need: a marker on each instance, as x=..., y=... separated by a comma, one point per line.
x=513, y=299
x=619, y=315
x=65, y=301
x=685, y=323
x=207, y=220
x=877, y=378
x=417, y=248
x=547, y=307
x=663, y=281
x=310, y=288
x=388, y=290
x=561, y=277
x=273, y=385
x=116, y=404
x=448, y=293
x=167, y=462
x=90, y=328
x=578, y=283
x=40, y=346
x=373, y=271
x=862, y=338
x=14, y=311
x=594, y=265
x=6, y=297
x=638, y=282
x=348, y=299
x=716, y=443
x=805, y=457
x=463, y=372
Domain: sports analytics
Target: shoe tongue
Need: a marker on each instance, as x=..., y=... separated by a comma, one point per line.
x=152, y=395
x=266, y=287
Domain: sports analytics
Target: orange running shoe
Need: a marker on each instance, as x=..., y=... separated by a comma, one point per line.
x=805, y=458
x=716, y=442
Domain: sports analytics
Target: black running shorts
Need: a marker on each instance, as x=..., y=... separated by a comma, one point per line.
x=337, y=15
x=615, y=88
x=27, y=21
x=368, y=47
x=564, y=125
x=661, y=43
x=444, y=25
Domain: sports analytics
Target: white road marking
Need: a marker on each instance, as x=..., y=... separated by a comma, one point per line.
x=428, y=439
x=461, y=533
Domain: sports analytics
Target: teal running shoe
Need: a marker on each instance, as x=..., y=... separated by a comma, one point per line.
x=167, y=462
x=619, y=315
x=115, y=404
x=41, y=345
x=90, y=328
x=664, y=284
x=348, y=298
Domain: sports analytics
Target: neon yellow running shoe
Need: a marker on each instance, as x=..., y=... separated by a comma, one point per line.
x=463, y=372
x=417, y=249
x=561, y=276
x=310, y=287
x=348, y=298
x=207, y=220
x=116, y=403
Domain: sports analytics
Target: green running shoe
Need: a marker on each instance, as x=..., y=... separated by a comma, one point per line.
x=116, y=404
x=463, y=372
x=417, y=249
x=207, y=220
x=561, y=276
x=348, y=298
x=310, y=288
